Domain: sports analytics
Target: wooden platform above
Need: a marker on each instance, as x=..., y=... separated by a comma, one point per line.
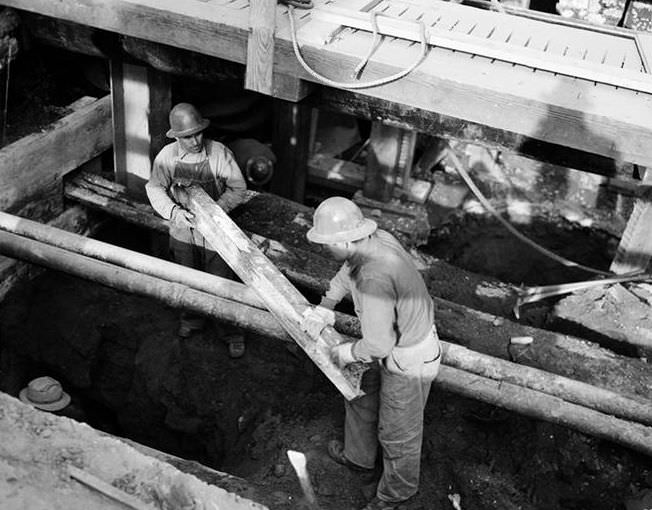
x=575, y=85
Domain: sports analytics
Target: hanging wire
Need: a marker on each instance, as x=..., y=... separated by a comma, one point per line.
x=487, y=205
x=353, y=86
x=5, y=106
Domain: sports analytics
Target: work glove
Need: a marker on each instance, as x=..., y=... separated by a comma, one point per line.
x=342, y=354
x=182, y=217
x=316, y=319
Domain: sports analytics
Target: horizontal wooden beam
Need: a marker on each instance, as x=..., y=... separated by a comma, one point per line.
x=35, y=165
x=604, y=120
x=556, y=353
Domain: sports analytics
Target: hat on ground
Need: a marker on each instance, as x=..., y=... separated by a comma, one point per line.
x=45, y=393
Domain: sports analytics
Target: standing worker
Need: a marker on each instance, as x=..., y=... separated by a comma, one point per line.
x=195, y=160
x=398, y=337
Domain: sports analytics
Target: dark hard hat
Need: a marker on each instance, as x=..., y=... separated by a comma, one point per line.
x=185, y=120
x=338, y=219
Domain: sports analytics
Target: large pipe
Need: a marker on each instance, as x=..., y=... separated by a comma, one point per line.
x=510, y=396
x=129, y=259
x=174, y=294
x=457, y=356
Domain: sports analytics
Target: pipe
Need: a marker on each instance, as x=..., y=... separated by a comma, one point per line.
x=496, y=392
x=129, y=259
x=174, y=294
x=454, y=355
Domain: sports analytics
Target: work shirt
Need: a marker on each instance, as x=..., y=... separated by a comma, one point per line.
x=390, y=297
x=223, y=167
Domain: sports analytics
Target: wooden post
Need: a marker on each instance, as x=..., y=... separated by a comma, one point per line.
x=141, y=101
x=384, y=160
x=635, y=248
x=260, y=46
x=290, y=143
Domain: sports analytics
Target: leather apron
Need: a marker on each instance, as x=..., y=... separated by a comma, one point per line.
x=188, y=245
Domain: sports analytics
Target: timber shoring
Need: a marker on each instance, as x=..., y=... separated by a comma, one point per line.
x=505, y=387
x=481, y=332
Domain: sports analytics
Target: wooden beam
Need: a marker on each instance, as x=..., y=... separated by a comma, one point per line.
x=35, y=165
x=290, y=88
x=452, y=128
x=472, y=45
x=290, y=142
x=281, y=298
x=260, y=46
x=383, y=156
x=543, y=106
x=480, y=331
x=635, y=247
x=14, y=272
x=141, y=101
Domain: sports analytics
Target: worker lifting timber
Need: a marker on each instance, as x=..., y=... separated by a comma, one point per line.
x=192, y=159
x=398, y=337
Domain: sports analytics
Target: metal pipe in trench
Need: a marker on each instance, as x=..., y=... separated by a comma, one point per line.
x=129, y=259
x=171, y=293
x=632, y=435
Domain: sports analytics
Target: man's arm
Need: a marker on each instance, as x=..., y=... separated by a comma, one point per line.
x=158, y=185
x=338, y=288
x=234, y=194
x=377, y=318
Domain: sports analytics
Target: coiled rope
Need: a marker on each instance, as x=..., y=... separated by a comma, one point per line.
x=361, y=65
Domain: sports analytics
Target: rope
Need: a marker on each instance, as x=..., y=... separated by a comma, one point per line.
x=353, y=86
x=5, y=106
x=483, y=200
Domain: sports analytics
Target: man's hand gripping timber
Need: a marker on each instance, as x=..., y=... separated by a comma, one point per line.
x=182, y=217
x=315, y=319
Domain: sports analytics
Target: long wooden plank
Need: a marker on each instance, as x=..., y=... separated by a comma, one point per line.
x=554, y=109
x=260, y=46
x=573, y=67
x=36, y=163
x=282, y=299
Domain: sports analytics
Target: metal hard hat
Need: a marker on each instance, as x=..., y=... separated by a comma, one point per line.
x=185, y=120
x=338, y=219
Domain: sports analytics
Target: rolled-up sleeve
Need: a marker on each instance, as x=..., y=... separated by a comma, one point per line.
x=377, y=312
x=236, y=187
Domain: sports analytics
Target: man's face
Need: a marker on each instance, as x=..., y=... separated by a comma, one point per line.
x=339, y=251
x=193, y=143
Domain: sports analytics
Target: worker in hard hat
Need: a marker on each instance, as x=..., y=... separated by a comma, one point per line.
x=398, y=337
x=193, y=159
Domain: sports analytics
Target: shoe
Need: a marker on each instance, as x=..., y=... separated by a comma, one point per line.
x=188, y=326
x=236, y=345
x=379, y=504
x=336, y=452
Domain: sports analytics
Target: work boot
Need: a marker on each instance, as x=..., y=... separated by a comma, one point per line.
x=188, y=325
x=378, y=504
x=336, y=452
x=236, y=345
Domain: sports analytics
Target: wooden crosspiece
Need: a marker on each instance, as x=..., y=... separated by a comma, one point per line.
x=281, y=298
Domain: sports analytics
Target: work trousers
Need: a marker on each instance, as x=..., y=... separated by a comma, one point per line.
x=390, y=414
x=190, y=249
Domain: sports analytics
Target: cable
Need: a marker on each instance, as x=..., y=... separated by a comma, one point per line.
x=353, y=86
x=5, y=106
x=483, y=200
